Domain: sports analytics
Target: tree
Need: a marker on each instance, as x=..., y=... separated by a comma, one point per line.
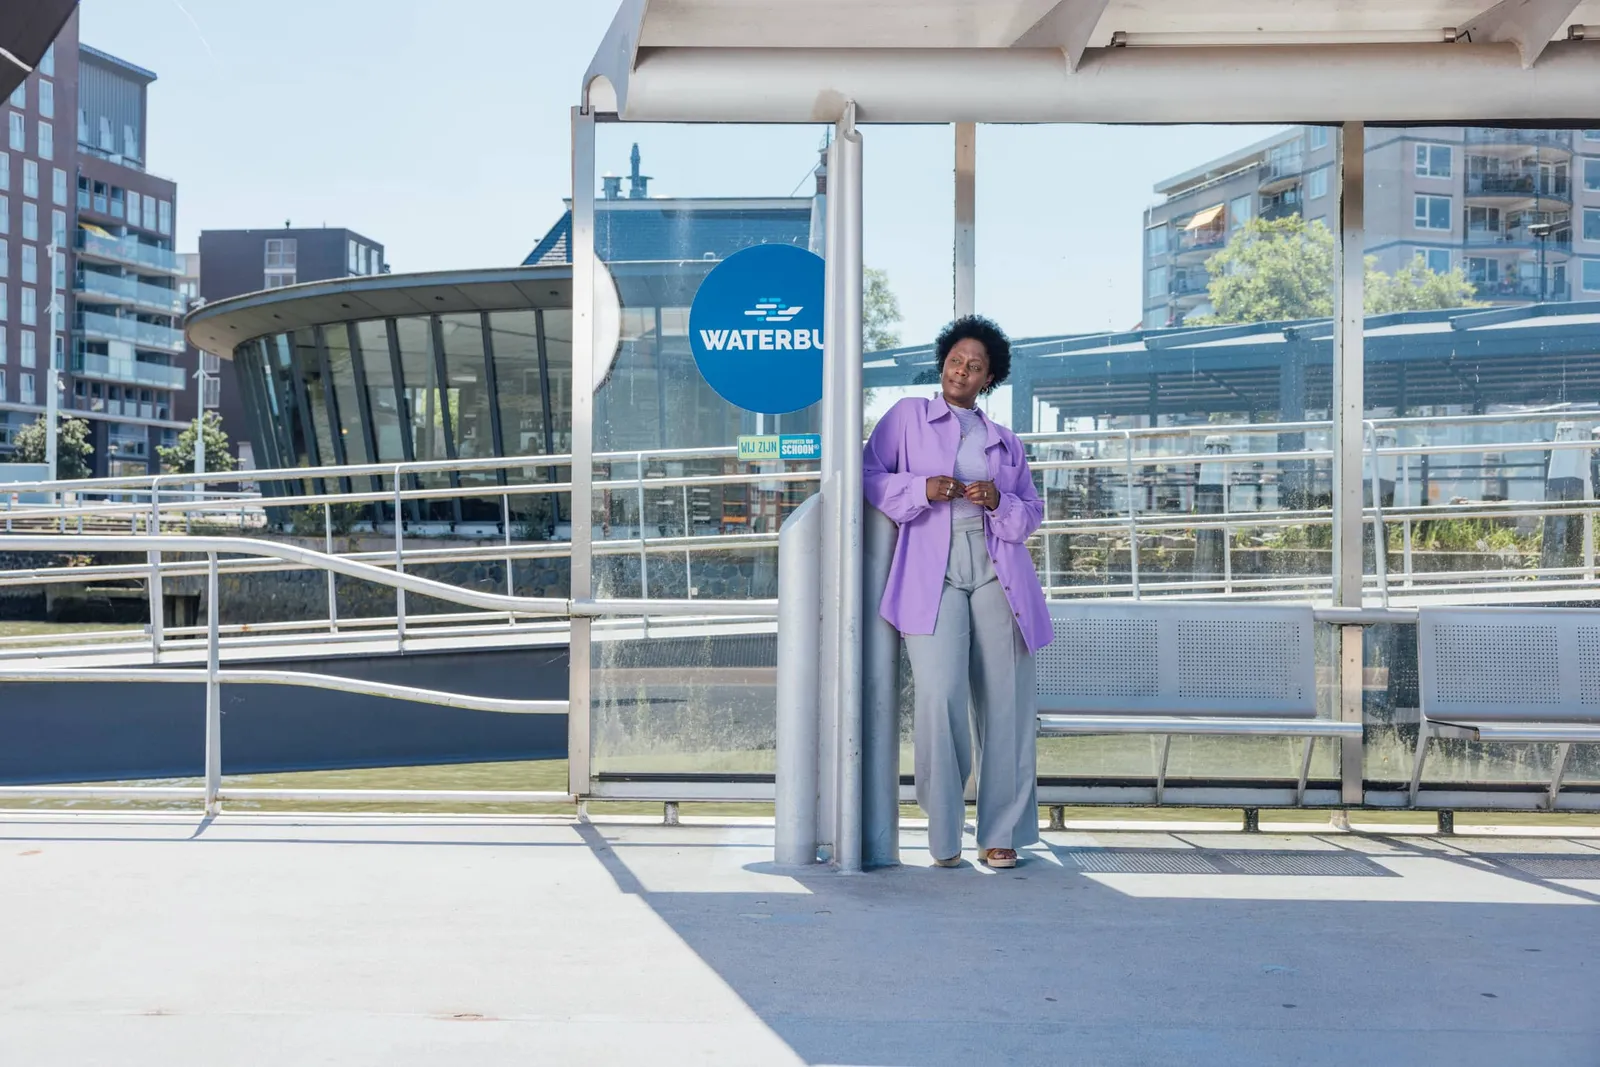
x=1282, y=269
x=179, y=459
x=1272, y=270
x=73, y=449
x=881, y=313
x=1416, y=288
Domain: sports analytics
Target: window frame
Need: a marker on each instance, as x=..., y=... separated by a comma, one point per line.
x=1422, y=216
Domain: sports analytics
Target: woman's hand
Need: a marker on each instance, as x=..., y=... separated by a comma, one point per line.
x=943, y=490
x=983, y=494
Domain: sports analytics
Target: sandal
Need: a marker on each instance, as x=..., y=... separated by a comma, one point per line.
x=998, y=857
x=953, y=861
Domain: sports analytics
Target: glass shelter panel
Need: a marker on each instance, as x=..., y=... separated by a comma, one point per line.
x=1483, y=400
x=674, y=513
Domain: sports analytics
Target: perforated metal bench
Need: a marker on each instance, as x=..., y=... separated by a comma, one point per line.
x=1191, y=669
x=1509, y=674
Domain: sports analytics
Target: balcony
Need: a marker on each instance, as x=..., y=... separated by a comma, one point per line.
x=1282, y=170
x=113, y=290
x=97, y=326
x=128, y=371
x=1518, y=236
x=122, y=409
x=1486, y=135
x=1190, y=283
x=1281, y=209
x=1517, y=289
x=1206, y=240
x=128, y=251
x=1520, y=184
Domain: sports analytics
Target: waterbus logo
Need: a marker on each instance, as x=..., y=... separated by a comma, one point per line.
x=755, y=328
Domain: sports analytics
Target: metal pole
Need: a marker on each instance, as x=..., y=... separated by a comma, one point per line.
x=213, y=690
x=799, y=633
x=880, y=706
x=1133, y=521
x=1348, y=406
x=505, y=525
x=155, y=593
x=846, y=197
x=1348, y=426
x=399, y=565
x=51, y=381
x=327, y=546
x=966, y=208
x=581, y=243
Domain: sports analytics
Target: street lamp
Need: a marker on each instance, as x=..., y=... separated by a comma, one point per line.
x=1541, y=231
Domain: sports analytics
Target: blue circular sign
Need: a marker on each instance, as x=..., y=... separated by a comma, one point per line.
x=755, y=328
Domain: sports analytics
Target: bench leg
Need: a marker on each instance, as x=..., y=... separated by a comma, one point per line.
x=1563, y=751
x=1305, y=771
x=1058, y=817
x=1161, y=767
x=1252, y=820
x=1424, y=734
x=1447, y=822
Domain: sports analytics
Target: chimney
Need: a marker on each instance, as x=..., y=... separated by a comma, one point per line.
x=613, y=186
x=638, y=184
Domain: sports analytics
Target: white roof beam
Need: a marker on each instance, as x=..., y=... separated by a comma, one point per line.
x=1529, y=24
x=1067, y=26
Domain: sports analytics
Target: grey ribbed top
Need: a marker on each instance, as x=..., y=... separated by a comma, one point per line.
x=972, y=465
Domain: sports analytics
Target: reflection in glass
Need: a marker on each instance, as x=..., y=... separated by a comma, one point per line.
x=517, y=378
x=468, y=400
x=383, y=399
x=341, y=365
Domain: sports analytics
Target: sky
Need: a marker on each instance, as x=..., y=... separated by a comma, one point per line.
x=441, y=128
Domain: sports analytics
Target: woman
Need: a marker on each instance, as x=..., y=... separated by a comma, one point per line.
x=963, y=592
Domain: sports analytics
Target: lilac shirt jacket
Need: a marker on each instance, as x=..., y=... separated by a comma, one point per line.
x=917, y=440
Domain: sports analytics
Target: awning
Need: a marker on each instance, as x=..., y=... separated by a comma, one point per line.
x=97, y=231
x=1205, y=218
x=26, y=30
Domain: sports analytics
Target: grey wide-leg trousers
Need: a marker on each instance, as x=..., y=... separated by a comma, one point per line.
x=974, y=675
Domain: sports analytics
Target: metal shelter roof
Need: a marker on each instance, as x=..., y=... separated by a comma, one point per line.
x=673, y=229
x=1533, y=354
x=1098, y=60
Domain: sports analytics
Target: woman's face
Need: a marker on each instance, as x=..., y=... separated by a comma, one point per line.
x=966, y=372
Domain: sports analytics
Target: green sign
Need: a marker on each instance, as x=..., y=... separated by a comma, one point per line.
x=778, y=448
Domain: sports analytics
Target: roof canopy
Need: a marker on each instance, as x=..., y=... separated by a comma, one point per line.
x=1403, y=61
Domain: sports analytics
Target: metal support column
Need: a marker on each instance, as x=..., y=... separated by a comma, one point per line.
x=799, y=631
x=1348, y=427
x=584, y=358
x=213, y=689
x=966, y=236
x=842, y=500
x=880, y=703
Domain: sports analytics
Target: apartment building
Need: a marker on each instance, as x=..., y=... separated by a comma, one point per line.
x=87, y=270
x=1515, y=209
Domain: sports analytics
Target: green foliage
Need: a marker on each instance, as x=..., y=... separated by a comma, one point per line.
x=1468, y=535
x=72, y=446
x=1273, y=270
x=341, y=520
x=881, y=312
x=179, y=459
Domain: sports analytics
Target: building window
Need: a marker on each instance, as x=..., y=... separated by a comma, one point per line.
x=30, y=264
x=19, y=95
x=1591, y=174
x=5, y=214
x=280, y=260
x=4, y=310
x=108, y=143
x=47, y=62
x=19, y=132
x=1317, y=183
x=1591, y=224
x=362, y=260
x=47, y=141
x=58, y=228
x=47, y=98
x=116, y=204
x=1433, y=161
x=213, y=392
x=350, y=256
x=1241, y=209
x=1436, y=259
x=165, y=217
x=30, y=310
x=1317, y=137
x=150, y=216
x=5, y=170
x=1591, y=276
x=130, y=142
x=27, y=388
x=30, y=221
x=30, y=349
x=278, y=280
x=58, y=186
x=30, y=178
x=1432, y=212
x=2, y=376
x=5, y=262
x=1155, y=240
x=1158, y=282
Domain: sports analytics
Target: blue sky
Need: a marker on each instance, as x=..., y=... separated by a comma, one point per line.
x=442, y=130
